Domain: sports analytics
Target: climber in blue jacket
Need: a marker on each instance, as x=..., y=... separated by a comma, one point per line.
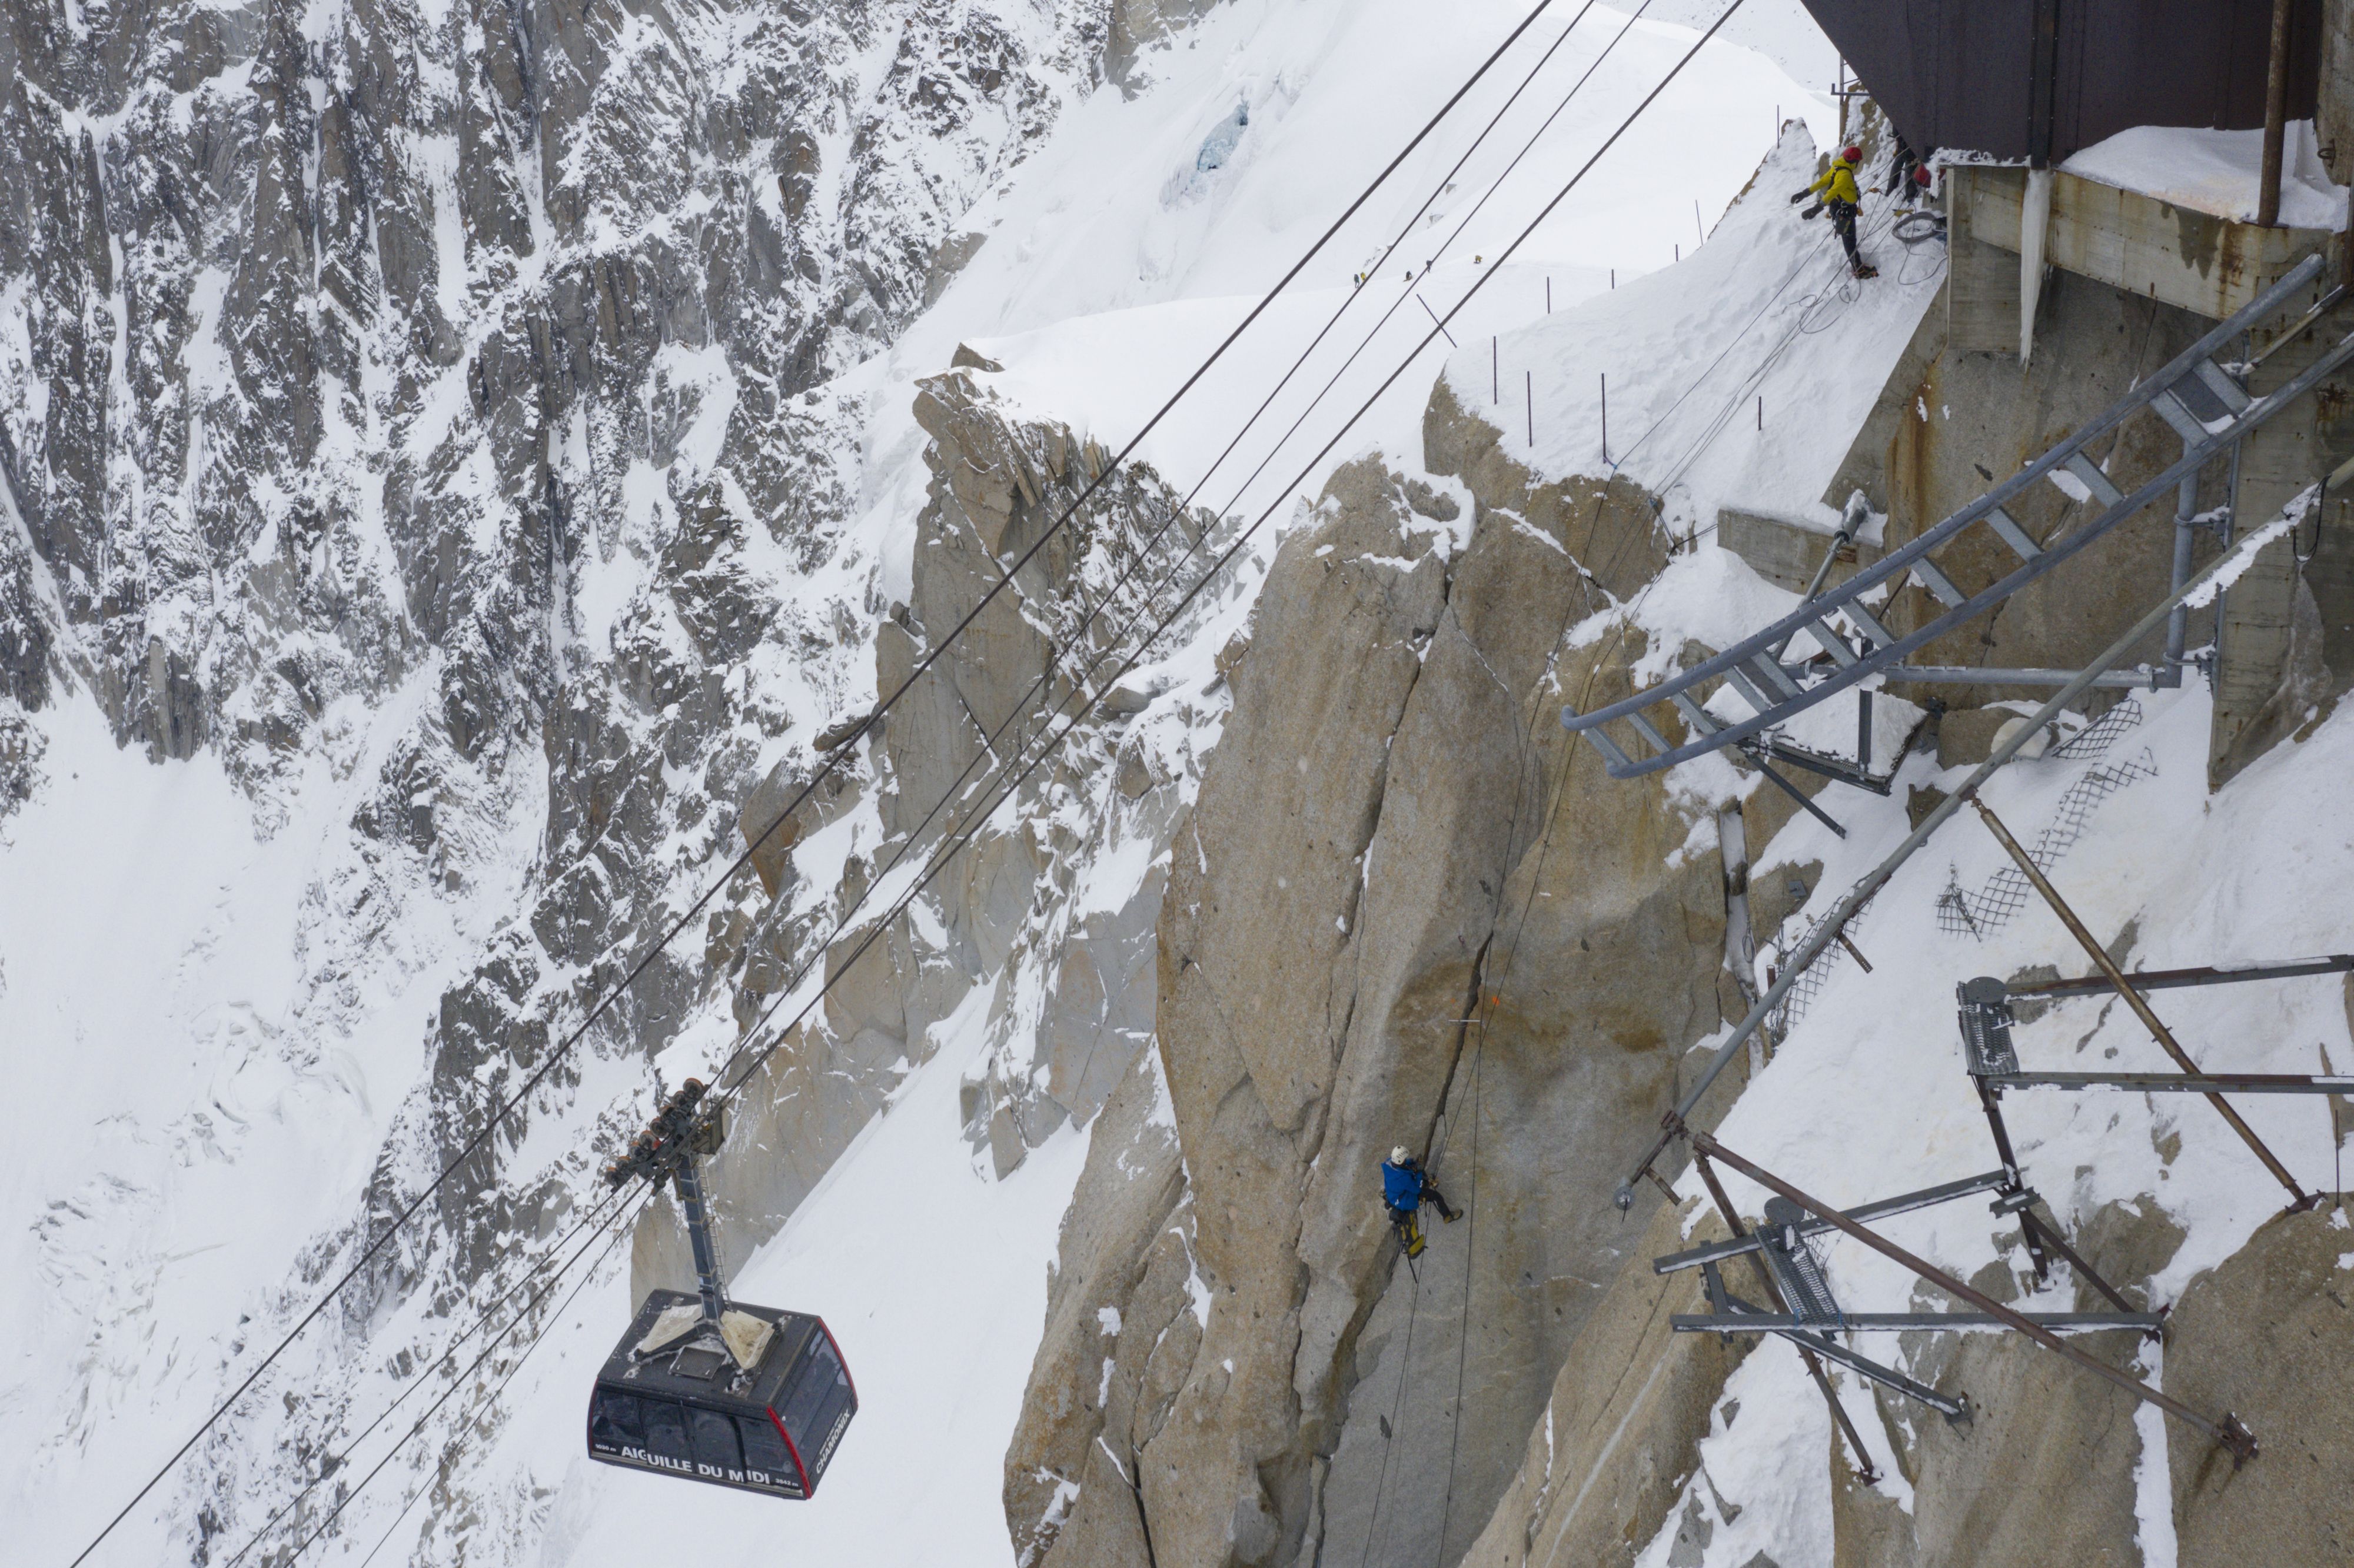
x=1405, y=1187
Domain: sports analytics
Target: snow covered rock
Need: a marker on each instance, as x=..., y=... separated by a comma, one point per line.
x=1378, y=839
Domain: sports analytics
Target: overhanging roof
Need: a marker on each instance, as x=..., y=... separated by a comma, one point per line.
x=1960, y=73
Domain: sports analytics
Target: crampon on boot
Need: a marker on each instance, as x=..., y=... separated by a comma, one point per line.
x=1411, y=1238
x=1865, y=269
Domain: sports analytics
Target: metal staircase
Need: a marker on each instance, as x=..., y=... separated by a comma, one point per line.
x=2194, y=395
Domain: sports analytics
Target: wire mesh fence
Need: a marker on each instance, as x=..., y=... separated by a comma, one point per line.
x=2092, y=742
x=1963, y=913
x=1810, y=982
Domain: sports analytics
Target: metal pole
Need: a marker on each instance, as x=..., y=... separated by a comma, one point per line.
x=1840, y=539
x=2178, y=624
x=699, y=1235
x=2032, y=1227
x=2275, y=119
x=2167, y=980
x=1796, y=794
x=2134, y=999
x=2231, y=1433
x=1877, y=877
x=1863, y=1471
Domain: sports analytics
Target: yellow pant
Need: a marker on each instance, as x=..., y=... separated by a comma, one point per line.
x=1409, y=1229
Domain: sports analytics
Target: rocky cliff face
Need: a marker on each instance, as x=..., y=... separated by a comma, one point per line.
x=1045, y=920
x=1403, y=910
x=439, y=413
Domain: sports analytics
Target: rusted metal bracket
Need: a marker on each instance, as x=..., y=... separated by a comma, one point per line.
x=2301, y=1199
x=2175, y=980
x=2230, y=1431
x=1731, y=1217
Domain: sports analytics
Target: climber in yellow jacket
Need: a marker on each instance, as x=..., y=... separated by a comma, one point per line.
x=1837, y=190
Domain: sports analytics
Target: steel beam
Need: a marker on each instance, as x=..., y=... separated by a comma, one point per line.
x=2171, y=980
x=1904, y=1204
x=1901, y=1322
x=2183, y=1082
x=2231, y=1432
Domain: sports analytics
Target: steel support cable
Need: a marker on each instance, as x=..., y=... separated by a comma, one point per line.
x=1405, y=232
x=949, y=848
x=990, y=741
x=473, y=1366
x=1493, y=186
x=451, y=1449
x=1225, y=558
x=1184, y=506
x=330, y=1464
x=1300, y=362
x=1409, y=292
x=408, y=1211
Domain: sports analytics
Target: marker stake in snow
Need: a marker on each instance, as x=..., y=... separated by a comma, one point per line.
x=1435, y=320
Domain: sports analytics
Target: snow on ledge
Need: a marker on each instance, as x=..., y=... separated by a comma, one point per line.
x=2217, y=171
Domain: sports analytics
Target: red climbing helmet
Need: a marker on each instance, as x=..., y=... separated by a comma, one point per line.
x=1853, y=154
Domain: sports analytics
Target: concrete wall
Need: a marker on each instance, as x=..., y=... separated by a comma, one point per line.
x=2134, y=242
x=1986, y=418
x=2286, y=645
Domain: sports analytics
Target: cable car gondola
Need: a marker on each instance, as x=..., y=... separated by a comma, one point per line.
x=708, y=1388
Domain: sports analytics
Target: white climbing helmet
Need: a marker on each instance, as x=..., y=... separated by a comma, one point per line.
x=1397, y=1155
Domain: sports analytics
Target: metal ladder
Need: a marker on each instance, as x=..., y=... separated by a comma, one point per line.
x=2194, y=395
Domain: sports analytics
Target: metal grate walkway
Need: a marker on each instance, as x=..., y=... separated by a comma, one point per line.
x=2207, y=408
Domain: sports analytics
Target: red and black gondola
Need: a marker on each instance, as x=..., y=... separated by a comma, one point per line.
x=672, y=1401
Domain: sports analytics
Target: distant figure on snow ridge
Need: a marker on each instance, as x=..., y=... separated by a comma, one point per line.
x=1836, y=186
x=1405, y=1189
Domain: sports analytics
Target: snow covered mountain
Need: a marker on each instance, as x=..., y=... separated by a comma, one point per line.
x=467, y=467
